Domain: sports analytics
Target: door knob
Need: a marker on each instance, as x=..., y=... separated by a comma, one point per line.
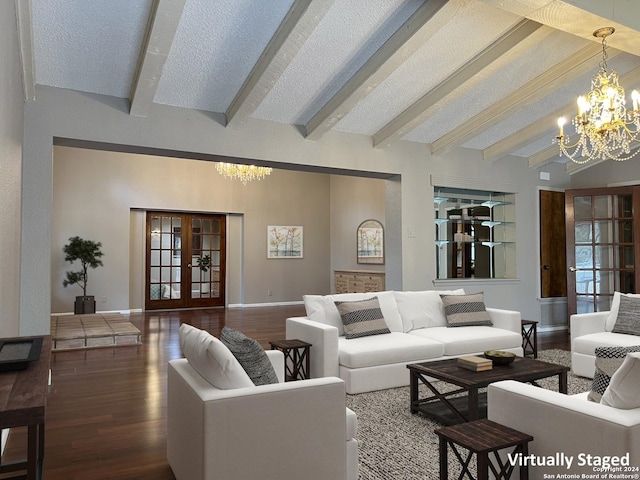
x=572, y=269
x=189, y=265
x=546, y=267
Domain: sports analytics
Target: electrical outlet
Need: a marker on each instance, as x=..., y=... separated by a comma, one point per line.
x=269, y=293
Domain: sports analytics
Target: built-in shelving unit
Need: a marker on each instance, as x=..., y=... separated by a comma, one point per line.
x=475, y=233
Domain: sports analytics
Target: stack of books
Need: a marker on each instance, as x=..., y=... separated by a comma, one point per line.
x=477, y=364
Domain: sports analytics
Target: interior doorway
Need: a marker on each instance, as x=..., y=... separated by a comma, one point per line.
x=553, y=260
x=185, y=260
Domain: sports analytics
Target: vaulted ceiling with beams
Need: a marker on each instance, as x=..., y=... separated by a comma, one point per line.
x=489, y=75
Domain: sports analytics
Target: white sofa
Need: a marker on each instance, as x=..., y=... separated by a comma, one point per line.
x=568, y=425
x=591, y=330
x=419, y=333
x=279, y=431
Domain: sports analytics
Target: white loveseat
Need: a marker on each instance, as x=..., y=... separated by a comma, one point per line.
x=418, y=333
x=281, y=430
x=566, y=427
x=592, y=330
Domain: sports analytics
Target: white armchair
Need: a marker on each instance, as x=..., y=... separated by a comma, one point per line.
x=565, y=424
x=280, y=431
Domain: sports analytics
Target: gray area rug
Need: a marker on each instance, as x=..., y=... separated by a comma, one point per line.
x=396, y=445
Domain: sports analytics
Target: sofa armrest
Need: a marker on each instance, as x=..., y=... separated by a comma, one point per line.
x=276, y=357
x=324, y=341
x=569, y=424
x=505, y=319
x=214, y=433
x=586, y=323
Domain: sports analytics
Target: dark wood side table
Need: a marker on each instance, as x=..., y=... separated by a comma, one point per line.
x=482, y=437
x=296, y=358
x=530, y=337
x=23, y=398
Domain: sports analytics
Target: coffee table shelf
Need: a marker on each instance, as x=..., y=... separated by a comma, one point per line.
x=467, y=403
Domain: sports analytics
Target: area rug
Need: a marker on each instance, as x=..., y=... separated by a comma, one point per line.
x=394, y=444
x=70, y=332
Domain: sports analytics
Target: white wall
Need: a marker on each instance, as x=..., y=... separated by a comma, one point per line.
x=11, y=131
x=93, y=118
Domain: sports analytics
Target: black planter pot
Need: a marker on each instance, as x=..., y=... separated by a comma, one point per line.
x=85, y=304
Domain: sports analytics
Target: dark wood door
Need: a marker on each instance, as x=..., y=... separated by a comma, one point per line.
x=185, y=260
x=553, y=259
x=602, y=247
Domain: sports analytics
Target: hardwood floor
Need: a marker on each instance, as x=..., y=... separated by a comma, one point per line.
x=107, y=406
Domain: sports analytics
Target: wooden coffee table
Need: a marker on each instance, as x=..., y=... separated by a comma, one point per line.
x=451, y=407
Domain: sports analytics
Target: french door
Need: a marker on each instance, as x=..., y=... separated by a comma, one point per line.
x=603, y=228
x=185, y=260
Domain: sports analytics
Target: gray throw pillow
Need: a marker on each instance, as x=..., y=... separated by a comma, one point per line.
x=465, y=310
x=250, y=355
x=608, y=360
x=628, y=320
x=362, y=318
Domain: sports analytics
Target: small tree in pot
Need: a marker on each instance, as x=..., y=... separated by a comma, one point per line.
x=89, y=254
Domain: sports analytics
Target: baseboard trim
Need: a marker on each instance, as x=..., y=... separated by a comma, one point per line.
x=270, y=304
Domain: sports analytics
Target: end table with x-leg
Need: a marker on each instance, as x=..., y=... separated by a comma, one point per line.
x=296, y=358
x=482, y=437
x=530, y=337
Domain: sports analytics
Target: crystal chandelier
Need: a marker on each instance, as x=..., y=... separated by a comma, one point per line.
x=244, y=173
x=604, y=127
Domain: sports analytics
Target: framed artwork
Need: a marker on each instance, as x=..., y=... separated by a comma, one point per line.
x=371, y=242
x=284, y=241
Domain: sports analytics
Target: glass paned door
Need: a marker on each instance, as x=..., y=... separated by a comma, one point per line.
x=601, y=250
x=185, y=260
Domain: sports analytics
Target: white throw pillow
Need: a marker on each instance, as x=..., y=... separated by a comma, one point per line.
x=624, y=388
x=212, y=359
x=615, y=307
x=423, y=309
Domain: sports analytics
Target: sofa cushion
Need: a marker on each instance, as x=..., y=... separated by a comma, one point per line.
x=362, y=318
x=465, y=310
x=628, y=319
x=587, y=344
x=474, y=339
x=322, y=308
x=212, y=359
x=624, y=388
x=608, y=360
x=615, y=306
x=394, y=347
x=251, y=356
x=423, y=309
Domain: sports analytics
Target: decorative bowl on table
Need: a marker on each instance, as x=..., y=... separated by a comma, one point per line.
x=498, y=357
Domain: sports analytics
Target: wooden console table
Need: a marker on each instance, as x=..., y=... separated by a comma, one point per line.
x=23, y=398
x=358, y=281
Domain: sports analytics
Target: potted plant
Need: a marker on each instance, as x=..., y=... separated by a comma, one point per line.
x=88, y=253
x=204, y=263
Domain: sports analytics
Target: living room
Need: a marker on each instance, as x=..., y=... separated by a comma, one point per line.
x=78, y=163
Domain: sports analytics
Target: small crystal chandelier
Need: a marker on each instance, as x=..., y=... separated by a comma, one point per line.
x=605, y=127
x=244, y=173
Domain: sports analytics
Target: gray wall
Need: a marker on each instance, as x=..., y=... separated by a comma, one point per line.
x=94, y=193
x=11, y=132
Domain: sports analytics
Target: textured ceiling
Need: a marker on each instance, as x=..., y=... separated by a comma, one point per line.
x=482, y=74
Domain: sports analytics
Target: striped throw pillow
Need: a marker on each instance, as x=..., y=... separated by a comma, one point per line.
x=465, y=310
x=362, y=318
